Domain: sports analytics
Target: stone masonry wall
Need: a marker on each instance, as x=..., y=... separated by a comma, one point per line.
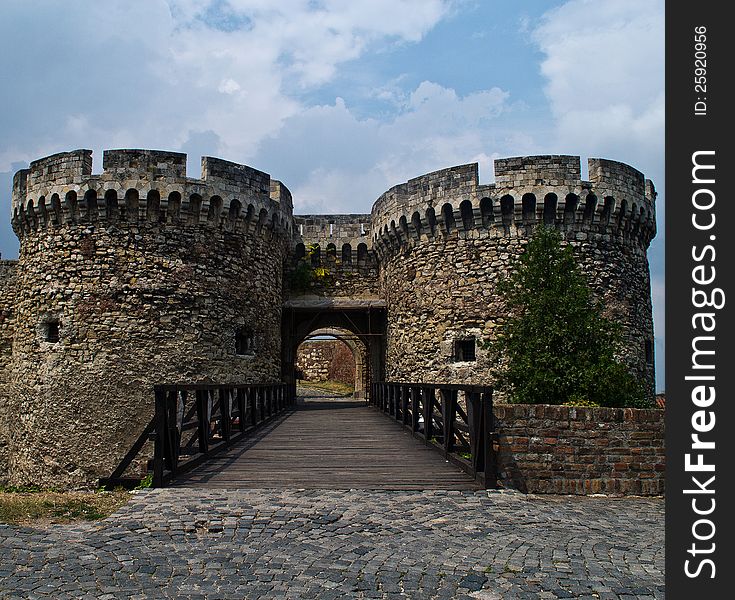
x=440, y=264
x=140, y=275
x=7, y=312
x=344, y=252
x=150, y=278
x=315, y=359
x=565, y=450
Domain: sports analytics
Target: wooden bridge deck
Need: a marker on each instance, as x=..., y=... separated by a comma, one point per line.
x=330, y=443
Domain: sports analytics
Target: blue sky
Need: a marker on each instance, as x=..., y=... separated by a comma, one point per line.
x=339, y=99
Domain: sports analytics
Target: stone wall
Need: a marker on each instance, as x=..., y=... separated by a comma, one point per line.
x=565, y=450
x=7, y=312
x=440, y=265
x=145, y=277
x=140, y=275
x=344, y=252
x=315, y=360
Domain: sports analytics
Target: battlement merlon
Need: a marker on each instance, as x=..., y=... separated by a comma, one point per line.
x=521, y=174
x=236, y=188
x=620, y=197
x=154, y=164
x=281, y=194
x=432, y=189
x=63, y=168
x=147, y=169
x=352, y=229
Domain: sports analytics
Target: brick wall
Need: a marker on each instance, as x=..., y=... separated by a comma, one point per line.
x=565, y=450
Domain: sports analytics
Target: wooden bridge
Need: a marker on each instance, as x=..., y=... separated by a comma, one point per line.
x=330, y=443
x=409, y=437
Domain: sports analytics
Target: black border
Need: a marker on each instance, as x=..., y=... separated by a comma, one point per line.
x=685, y=134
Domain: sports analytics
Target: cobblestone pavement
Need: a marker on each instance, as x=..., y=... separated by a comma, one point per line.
x=185, y=543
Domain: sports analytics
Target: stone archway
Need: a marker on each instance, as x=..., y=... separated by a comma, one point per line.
x=356, y=346
x=357, y=322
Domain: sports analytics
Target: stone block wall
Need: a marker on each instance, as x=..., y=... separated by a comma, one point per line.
x=7, y=313
x=315, y=360
x=344, y=251
x=440, y=264
x=130, y=278
x=567, y=450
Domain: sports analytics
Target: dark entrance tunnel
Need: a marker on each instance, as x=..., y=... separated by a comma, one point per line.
x=358, y=323
x=334, y=354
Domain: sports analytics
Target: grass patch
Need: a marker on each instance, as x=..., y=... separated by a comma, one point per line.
x=336, y=387
x=31, y=506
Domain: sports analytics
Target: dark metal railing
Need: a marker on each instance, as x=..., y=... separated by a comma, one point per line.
x=456, y=420
x=193, y=422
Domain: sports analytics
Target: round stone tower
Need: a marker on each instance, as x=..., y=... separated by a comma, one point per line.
x=444, y=241
x=129, y=278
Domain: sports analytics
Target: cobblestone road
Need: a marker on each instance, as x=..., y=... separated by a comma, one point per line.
x=185, y=543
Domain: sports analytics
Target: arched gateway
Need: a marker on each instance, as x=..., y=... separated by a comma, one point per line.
x=140, y=276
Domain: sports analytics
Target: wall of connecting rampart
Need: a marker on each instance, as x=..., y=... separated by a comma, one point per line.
x=341, y=247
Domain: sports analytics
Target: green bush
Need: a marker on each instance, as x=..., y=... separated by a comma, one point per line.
x=556, y=347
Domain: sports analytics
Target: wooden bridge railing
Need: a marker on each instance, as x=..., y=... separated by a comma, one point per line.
x=456, y=420
x=193, y=422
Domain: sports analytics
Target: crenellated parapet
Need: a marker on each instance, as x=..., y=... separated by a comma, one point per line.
x=342, y=240
x=616, y=201
x=151, y=187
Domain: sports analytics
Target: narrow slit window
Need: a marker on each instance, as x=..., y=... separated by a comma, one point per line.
x=244, y=342
x=649, y=352
x=51, y=331
x=464, y=350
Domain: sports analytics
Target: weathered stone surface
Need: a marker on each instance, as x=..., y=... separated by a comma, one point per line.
x=148, y=276
x=315, y=361
x=7, y=314
x=443, y=243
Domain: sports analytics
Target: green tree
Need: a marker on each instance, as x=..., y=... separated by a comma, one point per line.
x=556, y=347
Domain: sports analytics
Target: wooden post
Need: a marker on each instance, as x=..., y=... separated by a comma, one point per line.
x=413, y=392
x=224, y=410
x=428, y=395
x=249, y=401
x=241, y=407
x=203, y=419
x=490, y=459
x=404, y=405
x=399, y=403
x=474, y=422
x=173, y=436
x=158, y=450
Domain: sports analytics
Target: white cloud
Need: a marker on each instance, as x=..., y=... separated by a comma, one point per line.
x=604, y=66
x=229, y=86
x=145, y=74
x=335, y=161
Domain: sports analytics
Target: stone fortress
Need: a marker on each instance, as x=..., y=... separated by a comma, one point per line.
x=141, y=275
